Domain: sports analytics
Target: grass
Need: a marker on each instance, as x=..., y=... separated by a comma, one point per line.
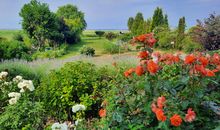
x=89, y=39
x=8, y=34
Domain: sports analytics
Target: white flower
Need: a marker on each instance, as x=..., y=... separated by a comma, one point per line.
x=77, y=121
x=14, y=97
x=78, y=107
x=182, y=56
x=13, y=101
x=18, y=79
x=7, y=83
x=26, y=84
x=3, y=74
x=58, y=126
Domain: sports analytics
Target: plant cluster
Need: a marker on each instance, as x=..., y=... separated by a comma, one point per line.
x=170, y=91
x=88, y=51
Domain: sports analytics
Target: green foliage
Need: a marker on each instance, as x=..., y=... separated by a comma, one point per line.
x=18, y=37
x=88, y=51
x=73, y=18
x=99, y=33
x=25, y=114
x=158, y=18
x=110, y=36
x=130, y=23
x=38, y=22
x=57, y=52
x=180, y=33
x=14, y=50
x=126, y=37
x=112, y=48
x=75, y=83
x=138, y=26
x=166, y=38
x=190, y=46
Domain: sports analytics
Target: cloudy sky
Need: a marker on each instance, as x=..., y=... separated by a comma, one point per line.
x=113, y=14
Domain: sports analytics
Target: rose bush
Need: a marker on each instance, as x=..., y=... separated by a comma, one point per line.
x=165, y=91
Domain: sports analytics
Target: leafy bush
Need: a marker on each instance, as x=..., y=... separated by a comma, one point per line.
x=18, y=37
x=191, y=46
x=19, y=109
x=58, y=52
x=125, y=37
x=166, y=92
x=75, y=83
x=14, y=50
x=88, y=51
x=110, y=36
x=112, y=48
x=99, y=33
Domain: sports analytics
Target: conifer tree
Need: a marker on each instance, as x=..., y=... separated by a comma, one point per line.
x=158, y=18
x=180, y=32
x=130, y=23
x=137, y=26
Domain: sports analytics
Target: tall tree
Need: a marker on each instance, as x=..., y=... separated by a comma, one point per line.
x=38, y=22
x=137, y=26
x=72, y=17
x=130, y=23
x=73, y=21
x=166, y=22
x=148, y=25
x=180, y=32
x=158, y=18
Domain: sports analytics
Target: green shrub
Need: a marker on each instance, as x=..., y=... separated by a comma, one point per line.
x=112, y=48
x=18, y=37
x=58, y=52
x=14, y=50
x=99, y=33
x=126, y=37
x=110, y=36
x=190, y=46
x=88, y=51
x=21, y=111
x=75, y=83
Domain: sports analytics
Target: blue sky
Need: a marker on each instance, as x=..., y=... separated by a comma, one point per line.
x=113, y=14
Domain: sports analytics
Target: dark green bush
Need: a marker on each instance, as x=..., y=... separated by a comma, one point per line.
x=88, y=51
x=75, y=83
x=110, y=36
x=126, y=37
x=18, y=37
x=99, y=33
x=14, y=50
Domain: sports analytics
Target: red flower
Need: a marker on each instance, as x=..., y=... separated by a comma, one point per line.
x=139, y=70
x=160, y=101
x=190, y=116
x=152, y=67
x=216, y=59
x=128, y=72
x=176, y=120
x=102, y=112
x=209, y=73
x=160, y=115
x=154, y=107
x=190, y=59
x=143, y=54
x=204, y=61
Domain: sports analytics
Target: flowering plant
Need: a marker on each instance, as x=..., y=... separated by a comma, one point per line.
x=166, y=91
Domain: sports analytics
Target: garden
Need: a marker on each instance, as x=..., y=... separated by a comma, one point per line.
x=56, y=75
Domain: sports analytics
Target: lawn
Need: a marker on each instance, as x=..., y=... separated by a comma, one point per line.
x=8, y=34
